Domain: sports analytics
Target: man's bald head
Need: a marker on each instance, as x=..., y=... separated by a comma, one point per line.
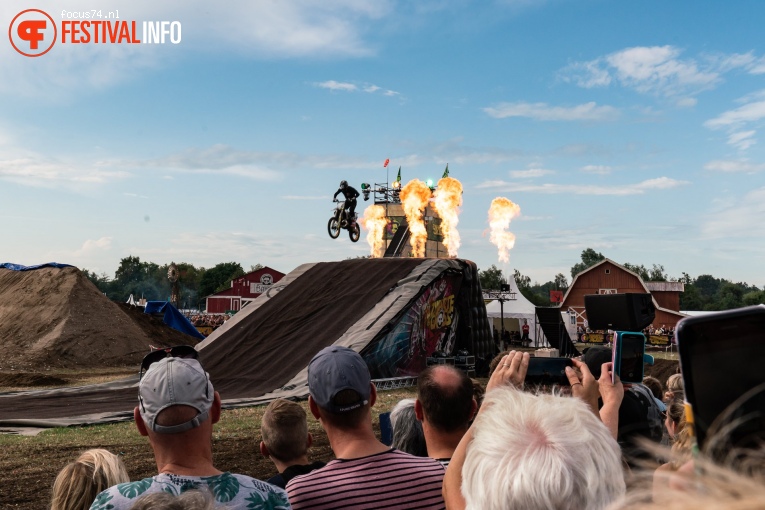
x=445, y=394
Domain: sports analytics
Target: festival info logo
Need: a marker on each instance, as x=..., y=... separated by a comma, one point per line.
x=32, y=33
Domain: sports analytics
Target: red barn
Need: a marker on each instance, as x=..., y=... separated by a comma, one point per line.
x=608, y=277
x=243, y=290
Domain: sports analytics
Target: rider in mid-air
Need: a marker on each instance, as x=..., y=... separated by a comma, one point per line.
x=350, y=194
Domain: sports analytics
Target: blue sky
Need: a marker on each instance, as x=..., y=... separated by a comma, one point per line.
x=633, y=128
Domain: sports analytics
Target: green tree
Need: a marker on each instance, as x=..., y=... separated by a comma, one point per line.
x=707, y=285
x=657, y=274
x=691, y=298
x=560, y=282
x=523, y=281
x=491, y=278
x=730, y=296
x=218, y=277
x=640, y=270
x=753, y=297
x=590, y=257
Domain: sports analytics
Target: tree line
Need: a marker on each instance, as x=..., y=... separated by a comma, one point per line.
x=150, y=281
x=702, y=293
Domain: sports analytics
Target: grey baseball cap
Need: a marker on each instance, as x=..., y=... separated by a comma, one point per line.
x=172, y=382
x=333, y=370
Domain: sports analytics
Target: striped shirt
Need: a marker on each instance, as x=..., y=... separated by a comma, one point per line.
x=392, y=479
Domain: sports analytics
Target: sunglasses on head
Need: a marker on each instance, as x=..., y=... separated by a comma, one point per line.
x=179, y=351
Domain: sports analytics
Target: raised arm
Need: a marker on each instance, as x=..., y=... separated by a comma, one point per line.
x=510, y=371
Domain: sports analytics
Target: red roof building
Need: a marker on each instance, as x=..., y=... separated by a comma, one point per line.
x=244, y=289
x=608, y=277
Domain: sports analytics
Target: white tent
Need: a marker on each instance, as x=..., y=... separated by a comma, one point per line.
x=518, y=308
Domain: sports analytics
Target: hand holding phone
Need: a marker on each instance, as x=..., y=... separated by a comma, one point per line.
x=548, y=371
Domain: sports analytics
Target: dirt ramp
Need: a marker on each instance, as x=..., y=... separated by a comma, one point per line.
x=55, y=317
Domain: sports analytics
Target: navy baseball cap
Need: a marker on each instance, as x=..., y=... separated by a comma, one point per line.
x=333, y=370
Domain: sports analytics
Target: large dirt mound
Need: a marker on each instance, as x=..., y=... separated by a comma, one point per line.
x=53, y=317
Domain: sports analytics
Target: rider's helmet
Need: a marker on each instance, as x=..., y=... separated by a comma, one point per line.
x=343, y=184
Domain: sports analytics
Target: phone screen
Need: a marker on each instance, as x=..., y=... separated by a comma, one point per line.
x=722, y=357
x=631, y=366
x=548, y=371
x=627, y=356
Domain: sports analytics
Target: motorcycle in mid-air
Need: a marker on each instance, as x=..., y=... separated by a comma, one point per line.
x=340, y=220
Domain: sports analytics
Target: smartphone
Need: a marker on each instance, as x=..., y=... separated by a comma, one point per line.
x=548, y=371
x=722, y=355
x=627, y=356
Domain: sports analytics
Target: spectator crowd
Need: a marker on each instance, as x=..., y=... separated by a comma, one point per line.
x=212, y=320
x=593, y=444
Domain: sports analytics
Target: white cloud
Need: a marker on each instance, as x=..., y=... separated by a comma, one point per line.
x=530, y=173
x=596, y=169
x=750, y=112
x=734, y=166
x=369, y=88
x=660, y=183
x=542, y=111
x=336, y=85
x=742, y=140
x=32, y=169
x=744, y=219
x=90, y=246
x=686, y=102
x=758, y=67
x=655, y=69
x=451, y=151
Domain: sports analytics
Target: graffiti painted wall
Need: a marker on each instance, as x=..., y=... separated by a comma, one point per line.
x=429, y=325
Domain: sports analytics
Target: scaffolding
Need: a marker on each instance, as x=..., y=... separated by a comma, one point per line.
x=392, y=383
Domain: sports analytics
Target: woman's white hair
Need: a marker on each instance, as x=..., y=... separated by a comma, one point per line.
x=540, y=452
x=407, y=429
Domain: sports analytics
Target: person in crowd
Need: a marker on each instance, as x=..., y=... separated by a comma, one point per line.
x=350, y=194
x=679, y=437
x=286, y=441
x=78, y=483
x=639, y=415
x=189, y=500
x=177, y=407
x=445, y=405
x=407, y=429
x=536, y=451
x=366, y=474
x=654, y=385
x=525, y=329
x=674, y=385
x=478, y=393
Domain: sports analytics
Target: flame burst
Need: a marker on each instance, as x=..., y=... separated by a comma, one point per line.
x=447, y=199
x=414, y=198
x=501, y=212
x=374, y=221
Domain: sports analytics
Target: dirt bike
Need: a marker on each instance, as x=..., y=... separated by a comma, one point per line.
x=340, y=220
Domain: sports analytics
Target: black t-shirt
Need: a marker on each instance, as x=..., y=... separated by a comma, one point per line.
x=291, y=472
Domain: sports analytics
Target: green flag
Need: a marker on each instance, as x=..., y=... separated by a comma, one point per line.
x=446, y=172
x=398, y=179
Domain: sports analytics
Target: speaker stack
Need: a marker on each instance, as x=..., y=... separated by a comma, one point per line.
x=619, y=312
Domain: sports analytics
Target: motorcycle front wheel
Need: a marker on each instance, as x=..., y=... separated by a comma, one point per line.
x=354, y=232
x=333, y=227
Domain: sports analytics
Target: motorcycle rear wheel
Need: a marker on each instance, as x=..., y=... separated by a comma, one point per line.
x=354, y=232
x=333, y=227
